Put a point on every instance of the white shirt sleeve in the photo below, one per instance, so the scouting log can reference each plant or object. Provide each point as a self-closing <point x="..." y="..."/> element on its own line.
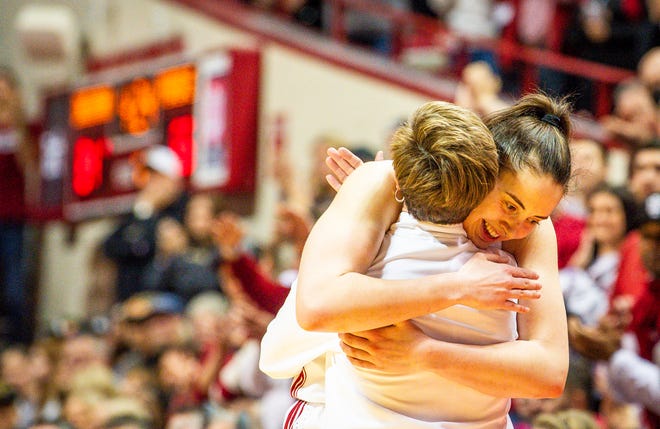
<point x="635" y="379"/>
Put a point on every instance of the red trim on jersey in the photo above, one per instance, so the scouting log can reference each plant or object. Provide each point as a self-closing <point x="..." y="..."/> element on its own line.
<point x="298" y="383"/>
<point x="294" y="412"/>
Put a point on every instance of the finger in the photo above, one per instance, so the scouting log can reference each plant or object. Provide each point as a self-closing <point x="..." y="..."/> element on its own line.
<point x="333" y="182"/>
<point x="343" y="159"/>
<point x="523" y="273"/>
<point x="516" y="307"/>
<point x="355" y="338"/>
<point x="339" y="168"/>
<point x="379" y="156"/>
<point x="354" y="352"/>
<point x="527" y="284"/>
<point x="525" y="294"/>
<point x="349" y="157"/>
<point x="348" y="163"/>
<point x="361" y="363"/>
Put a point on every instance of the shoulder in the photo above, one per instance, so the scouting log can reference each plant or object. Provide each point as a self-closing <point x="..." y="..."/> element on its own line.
<point x="370" y="181"/>
<point x="366" y="198"/>
<point x="374" y="170"/>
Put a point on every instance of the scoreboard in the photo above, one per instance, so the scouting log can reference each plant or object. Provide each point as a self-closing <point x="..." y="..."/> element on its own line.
<point x="205" y="109"/>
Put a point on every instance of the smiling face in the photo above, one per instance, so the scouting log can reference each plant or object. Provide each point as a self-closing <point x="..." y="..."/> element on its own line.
<point x="513" y="208"/>
<point x="607" y="219"/>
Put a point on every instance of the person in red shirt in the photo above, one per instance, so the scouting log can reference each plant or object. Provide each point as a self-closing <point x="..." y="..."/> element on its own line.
<point x="15" y="160"/>
<point x="633" y="372"/>
<point x="644" y="181"/>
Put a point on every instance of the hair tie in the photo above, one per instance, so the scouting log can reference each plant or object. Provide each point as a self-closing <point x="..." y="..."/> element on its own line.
<point x="551" y="119"/>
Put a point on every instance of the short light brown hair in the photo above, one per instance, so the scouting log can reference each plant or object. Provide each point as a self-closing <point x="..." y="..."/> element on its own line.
<point x="445" y="161"/>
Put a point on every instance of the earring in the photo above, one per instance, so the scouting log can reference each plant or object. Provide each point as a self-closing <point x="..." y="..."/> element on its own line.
<point x="398" y="199"/>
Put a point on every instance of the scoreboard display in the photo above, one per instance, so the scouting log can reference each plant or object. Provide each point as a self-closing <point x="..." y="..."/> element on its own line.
<point x="204" y="109"/>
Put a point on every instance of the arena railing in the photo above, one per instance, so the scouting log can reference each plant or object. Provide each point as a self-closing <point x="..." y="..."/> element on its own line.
<point x="406" y="25"/>
<point x="275" y="26"/>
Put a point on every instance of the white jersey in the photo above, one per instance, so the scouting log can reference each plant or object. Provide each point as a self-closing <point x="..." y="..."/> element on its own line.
<point x="360" y="398"/>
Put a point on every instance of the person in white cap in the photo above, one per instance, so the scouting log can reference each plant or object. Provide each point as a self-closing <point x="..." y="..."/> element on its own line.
<point x="161" y="194"/>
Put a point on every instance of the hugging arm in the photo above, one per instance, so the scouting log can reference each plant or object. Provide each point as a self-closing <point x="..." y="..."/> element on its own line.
<point x="535" y="365"/>
<point x="334" y="296"/>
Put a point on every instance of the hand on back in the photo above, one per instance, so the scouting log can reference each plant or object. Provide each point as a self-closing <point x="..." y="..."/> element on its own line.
<point x="489" y="282"/>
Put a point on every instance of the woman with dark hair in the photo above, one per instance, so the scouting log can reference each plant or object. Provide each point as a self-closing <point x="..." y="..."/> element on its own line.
<point x="588" y="278"/>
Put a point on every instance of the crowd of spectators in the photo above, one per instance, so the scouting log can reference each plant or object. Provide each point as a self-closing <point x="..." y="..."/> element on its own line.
<point x="616" y="33"/>
<point x="180" y="301"/>
<point x="181" y="349"/>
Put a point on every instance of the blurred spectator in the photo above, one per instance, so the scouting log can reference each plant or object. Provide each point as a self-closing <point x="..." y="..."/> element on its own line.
<point x="615" y="32"/>
<point x="611" y="32"/>
<point x="249" y="278"/>
<point x="644" y="181"/>
<point x="208" y="315"/>
<point x="632" y="377"/>
<point x="87" y="394"/>
<point x="473" y="20"/>
<point x="15" y="373"/>
<point x="569" y="419"/>
<point x="313" y="195"/>
<point x="17" y="161"/>
<point x="172" y="269"/>
<point x="31" y="374"/>
<point x="479" y="89"/>
<point x="123" y="412"/>
<point x="150" y="322"/>
<point x="188" y="418"/>
<point x="242" y="383"/>
<point x="171" y="240"/>
<point x="140" y="384"/>
<point x="282" y="257"/>
<point x="132" y="245"/>
<point x="198" y="222"/>
<point x="8" y="411"/>
<point x="42" y="360"/>
<point x="305" y="12"/>
<point x="525" y="410"/>
<point x="648" y="72"/>
<point x="101" y="289"/>
<point x="590" y="274"/>
<point x="645" y="170"/>
<point x="366" y="28"/>
<point x="589" y="167"/>
<point x="83" y="366"/>
<point x="178" y="372"/>
<point x="634" y="120"/>
<point x="535" y="23"/>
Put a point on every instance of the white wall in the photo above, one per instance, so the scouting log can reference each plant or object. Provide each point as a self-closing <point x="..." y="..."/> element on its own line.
<point x="315" y="96"/>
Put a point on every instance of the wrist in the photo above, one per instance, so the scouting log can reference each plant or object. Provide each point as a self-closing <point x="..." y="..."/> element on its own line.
<point x="449" y="289"/>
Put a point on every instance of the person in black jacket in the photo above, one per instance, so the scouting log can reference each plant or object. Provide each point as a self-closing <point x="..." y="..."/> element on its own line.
<point x="132" y="245"/>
